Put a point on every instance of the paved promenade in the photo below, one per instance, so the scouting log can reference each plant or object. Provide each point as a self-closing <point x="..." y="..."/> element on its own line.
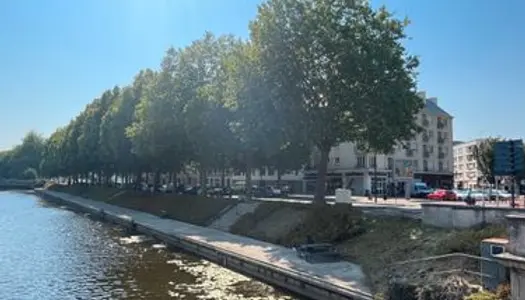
<point x="344" y="275"/>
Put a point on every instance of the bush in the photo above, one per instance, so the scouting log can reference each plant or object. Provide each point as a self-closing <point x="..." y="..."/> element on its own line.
<point x="451" y="288"/>
<point x="468" y="241"/>
<point x="503" y="291"/>
<point x="30" y="174"/>
<point x="483" y="295"/>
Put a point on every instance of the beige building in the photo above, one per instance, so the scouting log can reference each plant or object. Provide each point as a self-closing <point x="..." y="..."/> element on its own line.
<point x="428" y="158"/>
<point x="466" y="171"/>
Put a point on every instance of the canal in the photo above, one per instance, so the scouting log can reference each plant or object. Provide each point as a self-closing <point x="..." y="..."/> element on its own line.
<point x="51" y="253"/>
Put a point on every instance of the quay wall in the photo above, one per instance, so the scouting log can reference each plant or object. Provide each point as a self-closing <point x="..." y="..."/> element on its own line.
<point x="291" y="280"/>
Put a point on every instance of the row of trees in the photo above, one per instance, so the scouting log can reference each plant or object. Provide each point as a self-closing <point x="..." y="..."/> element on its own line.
<point x="313" y="74"/>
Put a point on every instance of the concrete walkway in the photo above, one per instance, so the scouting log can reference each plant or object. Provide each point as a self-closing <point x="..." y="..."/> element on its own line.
<point x="344" y="275"/>
<point x="230" y="217"/>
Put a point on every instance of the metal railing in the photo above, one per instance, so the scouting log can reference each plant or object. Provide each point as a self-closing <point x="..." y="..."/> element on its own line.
<point x="468" y="266"/>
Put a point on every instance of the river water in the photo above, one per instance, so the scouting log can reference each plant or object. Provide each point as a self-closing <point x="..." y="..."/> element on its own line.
<point x="51" y="253"/>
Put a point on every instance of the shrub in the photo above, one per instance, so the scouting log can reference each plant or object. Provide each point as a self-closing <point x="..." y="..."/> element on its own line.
<point x="468" y="241"/>
<point x="483" y="295"/>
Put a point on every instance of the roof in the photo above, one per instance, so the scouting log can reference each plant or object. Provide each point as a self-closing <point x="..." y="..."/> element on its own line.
<point x="435" y="109"/>
<point x="498" y="241"/>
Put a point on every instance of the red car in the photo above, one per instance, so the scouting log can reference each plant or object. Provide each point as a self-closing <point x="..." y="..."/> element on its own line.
<point x="443" y="195"/>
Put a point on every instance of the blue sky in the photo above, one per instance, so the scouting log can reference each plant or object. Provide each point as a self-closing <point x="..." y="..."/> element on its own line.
<point x="57" y="55"/>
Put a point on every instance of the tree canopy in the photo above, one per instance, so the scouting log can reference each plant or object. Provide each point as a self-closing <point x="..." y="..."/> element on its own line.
<point x="313" y="74"/>
<point x="338" y="70"/>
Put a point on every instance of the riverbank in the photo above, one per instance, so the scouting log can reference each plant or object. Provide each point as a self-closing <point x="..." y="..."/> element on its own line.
<point x="271" y="263"/>
<point x="375" y="243"/>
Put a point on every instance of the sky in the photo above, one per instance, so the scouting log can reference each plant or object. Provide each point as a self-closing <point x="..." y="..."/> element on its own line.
<point x="56" y="56"/>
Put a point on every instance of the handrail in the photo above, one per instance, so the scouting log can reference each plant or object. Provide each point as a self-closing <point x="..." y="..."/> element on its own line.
<point x="436" y="257"/>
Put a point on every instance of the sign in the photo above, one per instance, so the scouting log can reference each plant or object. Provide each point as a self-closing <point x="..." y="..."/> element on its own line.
<point x="508" y="158"/>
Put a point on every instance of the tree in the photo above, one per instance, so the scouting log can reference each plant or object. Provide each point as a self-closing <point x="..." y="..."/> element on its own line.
<point x="248" y="99"/>
<point x="338" y="68"/>
<point x="484" y="154"/>
<point x="206" y="119"/>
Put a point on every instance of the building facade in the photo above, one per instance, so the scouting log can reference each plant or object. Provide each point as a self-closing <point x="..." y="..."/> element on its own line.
<point x="428" y="158"/>
<point x="466" y="171"/>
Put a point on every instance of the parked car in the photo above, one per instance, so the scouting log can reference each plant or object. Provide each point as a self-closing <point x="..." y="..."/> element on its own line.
<point x="479" y="195"/>
<point x="267" y="192"/>
<point x="192" y="190"/>
<point x="443" y="195"/>
<point x="461" y="194"/>
<point x="420" y="190"/>
<point x="500" y="194"/>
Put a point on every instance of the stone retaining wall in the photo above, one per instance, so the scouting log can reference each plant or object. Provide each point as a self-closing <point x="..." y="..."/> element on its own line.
<point x="459" y="216"/>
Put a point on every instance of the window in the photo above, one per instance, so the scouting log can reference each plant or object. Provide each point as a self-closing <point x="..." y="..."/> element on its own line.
<point x="336" y="161"/>
<point x="415" y="164"/>
<point x="360" y="161"/>
<point x="271" y="172"/>
<point x="372" y="161"/>
<point x="496" y="249"/>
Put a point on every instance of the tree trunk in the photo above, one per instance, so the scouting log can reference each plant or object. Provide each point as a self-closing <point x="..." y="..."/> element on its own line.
<point x="320" y="187"/>
<point x="156" y="181"/>
<point x="203" y="181"/>
<point x="279" y="174"/>
<point x="248" y="183"/>
<point x="223" y="178"/>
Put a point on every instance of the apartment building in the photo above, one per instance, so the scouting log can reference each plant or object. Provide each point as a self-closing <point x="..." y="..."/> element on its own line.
<point x="428" y="158"/>
<point x="466" y="171"/>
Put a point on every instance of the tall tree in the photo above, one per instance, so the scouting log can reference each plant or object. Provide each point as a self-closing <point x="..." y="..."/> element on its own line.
<point x="484" y="156"/>
<point x="206" y="118"/>
<point x="336" y="63"/>
<point x="248" y="100"/>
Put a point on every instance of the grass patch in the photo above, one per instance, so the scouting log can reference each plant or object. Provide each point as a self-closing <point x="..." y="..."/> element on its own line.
<point x="375" y="243"/>
<point x="196" y="210"/>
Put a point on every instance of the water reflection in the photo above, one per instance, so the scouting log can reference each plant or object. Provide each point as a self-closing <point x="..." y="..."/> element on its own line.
<point x="51" y="253"/>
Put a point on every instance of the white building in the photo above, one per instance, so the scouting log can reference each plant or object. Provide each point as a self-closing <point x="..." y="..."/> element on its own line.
<point x="466" y="171"/>
<point x="427" y="158"/>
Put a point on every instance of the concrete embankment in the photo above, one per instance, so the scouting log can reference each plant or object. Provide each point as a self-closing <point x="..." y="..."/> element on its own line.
<point x="268" y="262"/>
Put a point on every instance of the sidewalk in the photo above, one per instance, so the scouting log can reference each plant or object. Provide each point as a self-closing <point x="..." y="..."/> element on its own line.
<point x="344" y="275"/>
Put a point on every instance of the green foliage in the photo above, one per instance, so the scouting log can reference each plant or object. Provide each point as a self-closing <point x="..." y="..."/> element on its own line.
<point x="27" y="155"/>
<point x="483" y="295"/>
<point x="339" y="72"/>
<point x="468" y="241"/>
<point x="314" y="73"/>
<point x="29" y="173"/>
<point x="484" y="155"/>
